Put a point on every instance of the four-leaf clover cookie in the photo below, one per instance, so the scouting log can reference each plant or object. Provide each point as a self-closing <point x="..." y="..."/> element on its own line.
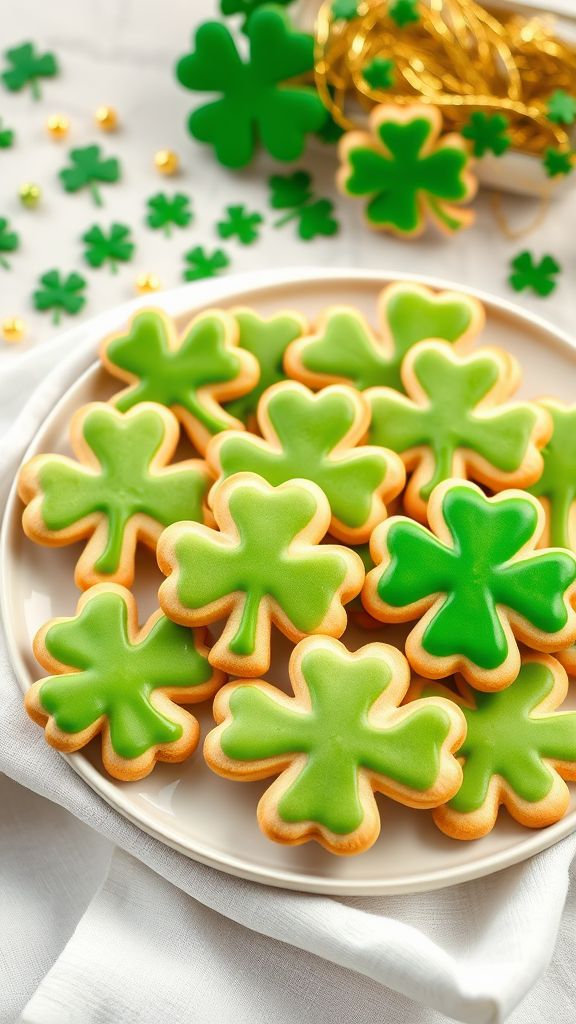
<point x="407" y="172"/>
<point x="517" y="752"/>
<point x="110" y="677"/>
<point x="191" y="374"/>
<point x="317" y="437"/>
<point x="263" y="565"/>
<point x="455" y="422"/>
<point x="475" y="584"/>
<point x="339" y="739"/>
<point x="120" y="491"/>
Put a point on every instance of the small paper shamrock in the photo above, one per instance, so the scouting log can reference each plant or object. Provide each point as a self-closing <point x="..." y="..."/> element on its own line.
<point x="120" y="491"/>
<point x="339" y="739"/>
<point x="406" y="171"/>
<point x="267" y="340"/>
<point x="293" y="192"/>
<point x="488" y="133"/>
<point x="344" y="348"/>
<point x="247" y="7"/>
<point x="558" y="161"/>
<point x="6" y="137"/>
<point x="539" y="277"/>
<point x="256" y="103"/>
<point x="9" y="241"/>
<point x="561" y="107"/>
<point x="556" y="487"/>
<point x="404" y="12"/>
<point x="379" y="73"/>
<point x="89" y="168"/>
<point x="202" y="264"/>
<point x="112" y="678"/>
<point x="61" y="294"/>
<point x="114" y="247"/>
<point x="240" y="224"/>
<point x="264" y="564"/>
<point x="165" y="211"/>
<point x="190" y="375"/>
<point x="474" y="582"/>
<point x="457" y="422"/>
<point x="318" y="438"/>
<point x="517" y="751"/>
<point x="27" y="67"/>
<point x="345" y="10"/>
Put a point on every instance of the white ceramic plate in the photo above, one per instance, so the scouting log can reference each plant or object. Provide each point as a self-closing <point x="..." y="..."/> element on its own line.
<point x="187" y="807"/>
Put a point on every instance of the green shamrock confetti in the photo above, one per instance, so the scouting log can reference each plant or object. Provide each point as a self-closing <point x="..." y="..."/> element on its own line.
<point x="267" y="340"/>
<point x="9" y="242"/>
<point x="112" y="248"/>
<point x="345" y="10"/>
<point x="255" y="102"/>
<point x="558" y="161"/>
<point x="293" y="192"/>
<point x="247" y="7"/>
<point x="404" y="12"/>
<point x="330" y="132"/>
<point x="27" y="67"/>
<point x="202" y="264"/>
<point x="108" y="679"/>
<point x="539" y="277"/>
<point x="379" y="73"/>
<point x="405" y="170"/>
<point x="488" y="133"/>
<point x="6" y="137"/>
<point x="557" y="484"/>
<point x="89" y="168"/>
<point x="265" y="562"/>
<point x="240" y="224"/>
<point x="562" y="107"/>
<point x="60" y="294"/>
<point x="167" y="211"/>
<point x="336" y="741"/>
<point x="469" y="580"/>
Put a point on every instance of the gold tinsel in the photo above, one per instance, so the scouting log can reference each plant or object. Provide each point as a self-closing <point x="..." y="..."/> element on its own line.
<point x="458" y="56"/>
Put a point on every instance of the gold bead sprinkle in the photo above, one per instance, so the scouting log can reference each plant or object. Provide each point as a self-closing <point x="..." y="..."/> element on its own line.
<point x="58" y="126"/>
<point x="30" y="194"/>
<point x="146" y="283"/>
<point x="106" y="118"/>
<point x="166" y="161"/>
<point x="13" y="329"/>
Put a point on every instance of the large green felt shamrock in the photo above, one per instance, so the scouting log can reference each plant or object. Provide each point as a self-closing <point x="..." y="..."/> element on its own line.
<point x="89" y="168"/>
<point x="255" y="102"/>
<point x="9" y="241"/>
<point x="61" y="294"/>
<point x="189" y="375"/>
<point x="340" y="738"/>
<point x="111" y="678"/>
<point x="164" y="211"/>
<point x="344" y="348"/>
<point x="267" y="340"/>
<point x="27" y="67"/>
<point x="407" y="172"/>
<point x="247" y="7"/>
<point x="114" y="247"/>
<point x="456" y="422"/>
<point x="474" y="582"/>
<point x="556" y="487"/>
<point x="266" y="565"/>
<point x="120" y="491"/>
<point x="315" y="437"/>
<point x="517" y="751"/>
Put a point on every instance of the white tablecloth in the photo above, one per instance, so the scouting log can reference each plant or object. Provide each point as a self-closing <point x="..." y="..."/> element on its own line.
<point x="99" y="923"/>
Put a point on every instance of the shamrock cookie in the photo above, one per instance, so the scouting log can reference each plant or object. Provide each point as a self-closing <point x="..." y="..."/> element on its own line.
<point x="344" y="349"/>
<point x="121" y="490"/>
<point x="556" y="487"/>
<point x="455" y="422"/>
<point x="315" y="437"/>
<point x="190" y="375"/>
<point x="339" y="739"/>
<point x="266" y="565"/>
<point x="109" y="677"/>
<point x="517" y="751"/>
<point x="475" y="584"/>
<point x="407" y="172"/>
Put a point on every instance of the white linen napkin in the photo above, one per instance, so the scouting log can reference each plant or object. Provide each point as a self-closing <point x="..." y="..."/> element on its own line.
<point x="168" y="938"/>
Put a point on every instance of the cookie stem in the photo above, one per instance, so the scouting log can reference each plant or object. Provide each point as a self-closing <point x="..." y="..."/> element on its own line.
<point x="244" y="642"/>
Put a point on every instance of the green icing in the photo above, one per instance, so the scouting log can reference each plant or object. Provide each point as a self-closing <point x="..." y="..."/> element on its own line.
<point x="337" y="737"/>
<point x="476" y="574"/>
<point x="308" y="428"/>
<point x="506" y="738"/>
<point x="123" y="485"/>
<point x="558" y="480"/>
<point x="116" y="678"/>
<point x="260" y="563"/>
<point x="267" y="340"/>
<point x="175" y="376"/>
<point x="451" y="416"/>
